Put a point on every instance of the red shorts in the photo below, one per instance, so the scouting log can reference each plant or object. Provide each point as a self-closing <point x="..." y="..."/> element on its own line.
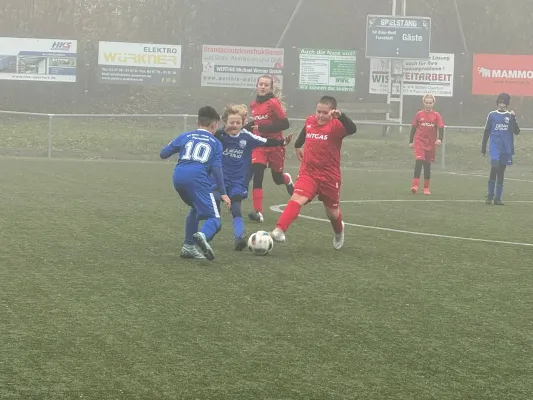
<point x="327" y="190"/>
<point x="272" y="157"/>
<point x="424" y="153"/>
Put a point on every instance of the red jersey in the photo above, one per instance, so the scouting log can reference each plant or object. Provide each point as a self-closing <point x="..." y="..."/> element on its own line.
<point x="322" y="152"/>
<point x="427" y="124"/>
<point x="267" y="112"/>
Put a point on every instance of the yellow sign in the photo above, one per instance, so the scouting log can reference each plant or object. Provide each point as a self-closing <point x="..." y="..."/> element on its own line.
<point x="160" y="60"/>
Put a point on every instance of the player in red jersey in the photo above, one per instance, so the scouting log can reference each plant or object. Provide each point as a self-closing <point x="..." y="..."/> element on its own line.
<point x="269" y="120"/>
<point x="424" y="140"/>
<point x="320" y="170"/>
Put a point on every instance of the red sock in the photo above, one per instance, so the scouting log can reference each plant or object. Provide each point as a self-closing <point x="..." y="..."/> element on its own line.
<point x="286" y="178"/>
<point x="337" y="224"/>
<point x="289" y="215"/>
<point x="426" y="183"/>
<point x="415" y="181"/>
<point x="257" y="200"/>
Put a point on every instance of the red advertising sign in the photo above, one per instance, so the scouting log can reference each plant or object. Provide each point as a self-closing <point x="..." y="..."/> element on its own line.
<point x="497" y="73"/>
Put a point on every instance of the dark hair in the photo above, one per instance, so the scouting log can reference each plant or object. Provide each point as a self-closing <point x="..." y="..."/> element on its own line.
<point x="503" y="98"/>
<point x="207" y="115"/>
<point x="329" y="100"/>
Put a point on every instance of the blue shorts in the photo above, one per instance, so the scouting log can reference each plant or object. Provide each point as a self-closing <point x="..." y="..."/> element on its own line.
<point x="202" y="201"/>
<point x="498" y="158"/>
<point x="234" y="189"/>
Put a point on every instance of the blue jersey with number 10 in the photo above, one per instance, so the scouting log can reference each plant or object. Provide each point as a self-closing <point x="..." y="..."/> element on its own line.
<point x="199" y="153"/>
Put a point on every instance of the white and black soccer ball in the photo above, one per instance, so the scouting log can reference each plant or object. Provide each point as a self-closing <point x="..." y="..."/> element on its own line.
<point x="260" y="243"/>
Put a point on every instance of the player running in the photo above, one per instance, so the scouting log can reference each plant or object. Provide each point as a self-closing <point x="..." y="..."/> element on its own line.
<point x="424" y="141"/>
<point x="200" y="155"/>
<point x="238" y="145"/>
<point x="501" y="127"/>
<point x="320" y="170"/>
<point x="269" y="120"/>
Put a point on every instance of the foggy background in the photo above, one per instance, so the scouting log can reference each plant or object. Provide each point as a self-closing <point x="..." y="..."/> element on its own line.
<point x="489" y="27"/>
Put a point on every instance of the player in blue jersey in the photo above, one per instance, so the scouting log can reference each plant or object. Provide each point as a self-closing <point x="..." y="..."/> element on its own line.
<point x="501" y="127"/>
<point x="200" y="157"/>
<point x="238" y="144"/>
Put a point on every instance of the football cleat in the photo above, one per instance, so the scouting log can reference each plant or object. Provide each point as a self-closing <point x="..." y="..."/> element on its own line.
<point x="240" y="244"/>
<point x="190" y="251"/>
<point x="256" y="216"/>
<point x="338" y="239"/>
<point x="278" y="235"/>
<point x="498" y="202"/>
<point x="426" y="191"/>
<point x="290" y="185"/>
<point x="202" y="243"/>
<point x="414" y="189"/>
<point x="489" y="200"/>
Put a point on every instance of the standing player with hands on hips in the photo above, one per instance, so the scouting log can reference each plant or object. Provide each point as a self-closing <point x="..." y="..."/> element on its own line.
<point x="200" y="156"/>
<point x="501" y="127"/>
<point x="320" y="169"/>
<point x="269" y="120"/>
<point x="424" y="141"/>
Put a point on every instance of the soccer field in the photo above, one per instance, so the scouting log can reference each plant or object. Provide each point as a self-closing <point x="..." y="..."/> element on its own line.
<point x="97" y="304"/>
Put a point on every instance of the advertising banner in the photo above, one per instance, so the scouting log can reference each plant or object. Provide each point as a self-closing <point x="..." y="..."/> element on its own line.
<point x="240" y="67"/>
<point x="420" y="77"/>
<point x="329" y="70"/>
<point x="493" y="74"/>
<point x="50" y="60"/>
<point x="139" y="63"/>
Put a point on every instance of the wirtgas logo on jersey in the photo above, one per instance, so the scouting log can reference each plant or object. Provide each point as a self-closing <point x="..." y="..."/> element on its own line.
<point x="316" y="136"/>
<point x="62" y="46"/>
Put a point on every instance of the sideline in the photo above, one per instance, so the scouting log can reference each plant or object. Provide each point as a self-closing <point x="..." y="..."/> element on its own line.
<point x="278" y="208"/>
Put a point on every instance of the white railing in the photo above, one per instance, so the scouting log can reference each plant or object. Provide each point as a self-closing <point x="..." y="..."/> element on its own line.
<point x="188" y="121"/>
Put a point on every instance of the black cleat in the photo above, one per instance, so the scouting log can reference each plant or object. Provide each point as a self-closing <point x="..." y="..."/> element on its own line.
<point x="240" y="244"/>
<point x="256" y="216"/>
<point x="290" y="185"/>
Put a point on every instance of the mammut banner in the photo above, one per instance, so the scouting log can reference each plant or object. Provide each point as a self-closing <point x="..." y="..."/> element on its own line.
<point x="497" y="73"/>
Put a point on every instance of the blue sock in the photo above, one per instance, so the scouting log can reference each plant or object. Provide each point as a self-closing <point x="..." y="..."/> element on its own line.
<point x="210" y="228"/>
<point x="238" y="222"/>
<point x="238" y="227"/>
<point x="499" y="191"/>
<point x="191" y="226"/>
<point x="492" y="184"/>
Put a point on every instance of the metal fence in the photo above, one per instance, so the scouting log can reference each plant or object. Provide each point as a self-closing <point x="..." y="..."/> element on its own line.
<point x="140" y="137"/>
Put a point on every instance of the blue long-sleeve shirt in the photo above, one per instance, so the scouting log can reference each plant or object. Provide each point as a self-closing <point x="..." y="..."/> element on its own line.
<point x="199" y="158"/>
<point x="501" y="126"/>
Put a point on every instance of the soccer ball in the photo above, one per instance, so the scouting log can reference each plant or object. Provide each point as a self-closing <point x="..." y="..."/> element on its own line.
<point x="260" y="243"/>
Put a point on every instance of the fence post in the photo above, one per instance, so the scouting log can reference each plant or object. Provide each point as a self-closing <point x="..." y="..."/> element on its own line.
<point x="50" y="118"/>
<point x="443" y="151"/>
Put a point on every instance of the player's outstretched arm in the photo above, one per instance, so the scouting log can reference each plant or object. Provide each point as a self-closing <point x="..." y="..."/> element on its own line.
<point x="274" y="127"/>
<point x="170" y="149"/>
<point x="349" y="125"/>
<point x="300" y="140"/>
<point x="216" y="168"/>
